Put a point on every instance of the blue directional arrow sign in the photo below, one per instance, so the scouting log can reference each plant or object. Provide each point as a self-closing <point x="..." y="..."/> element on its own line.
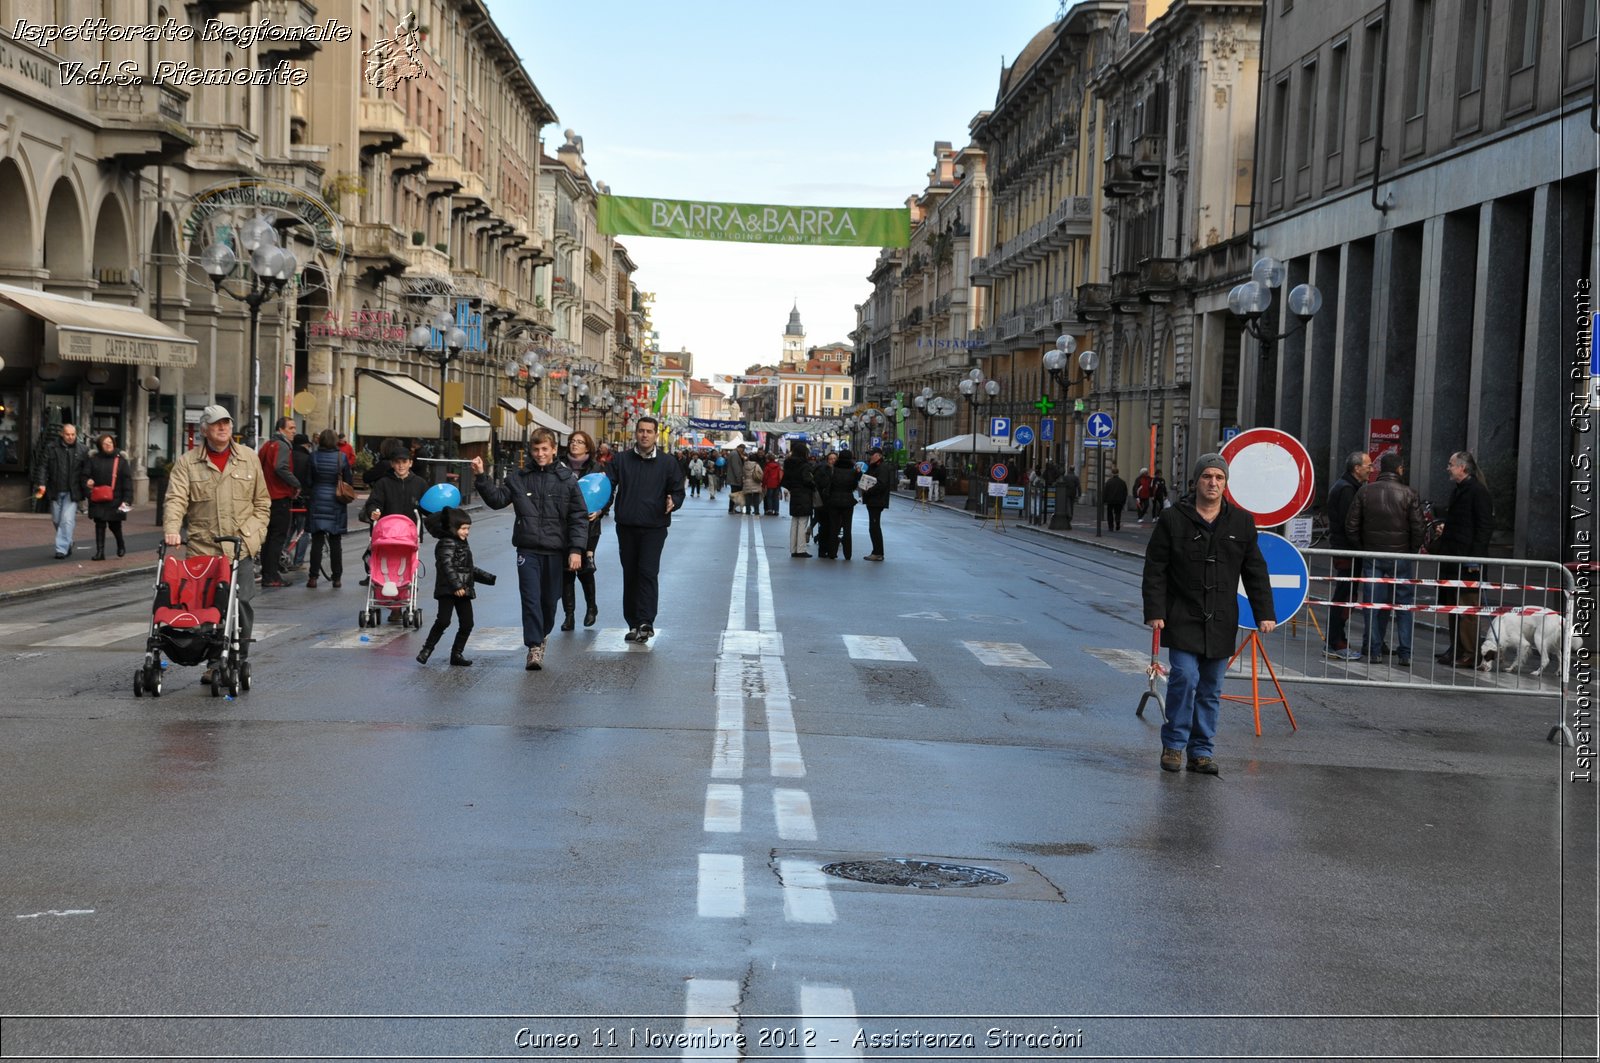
<point x="1100" y="425"/>
<point x="1291" y="580"/>
<point x="1023" y="435"/>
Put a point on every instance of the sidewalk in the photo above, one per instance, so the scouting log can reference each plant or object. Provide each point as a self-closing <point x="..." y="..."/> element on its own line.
<point x="1130" y="541"/>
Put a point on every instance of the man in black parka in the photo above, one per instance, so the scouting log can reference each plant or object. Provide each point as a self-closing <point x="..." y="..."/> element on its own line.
<point x="1197" y="556"/>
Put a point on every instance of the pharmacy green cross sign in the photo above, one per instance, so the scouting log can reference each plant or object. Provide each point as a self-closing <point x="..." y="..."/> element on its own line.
<point x="1044" y="405"/>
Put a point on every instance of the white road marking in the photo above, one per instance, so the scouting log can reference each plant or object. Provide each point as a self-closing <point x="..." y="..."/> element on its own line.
<point x="1004" y="654"/>
<point x="741" y="567"/>
<point x="1130" y="662"/>
<point x="711" y="1011"/>
<point x="263" y="632"/>
<point x="792" y="811"/>
<point x="611" y="640"/>
<point x="727" y="754"/>
<point x="830" y="1011"/>
<point x="783" y="744"/>
<point x="752" y="643"/>
<point x="7" y="630"/>
<point x="766" y="619"/>
<point x="724" y="808"/>
<point x="53" y="911"/>
<point x="100" y="635"/>
<point x="364" y="638"/>
<point x="805" y="893"/>
<point x="721" y="893"/>
<point x="876" y="648"/>
<point x="494" y="639"/>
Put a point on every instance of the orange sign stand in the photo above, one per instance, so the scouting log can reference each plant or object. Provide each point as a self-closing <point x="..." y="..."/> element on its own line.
<point x="1258" y="656"/>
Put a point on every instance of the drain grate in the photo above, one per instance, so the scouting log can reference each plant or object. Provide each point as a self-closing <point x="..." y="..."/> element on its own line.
<point x="914" y="874"/>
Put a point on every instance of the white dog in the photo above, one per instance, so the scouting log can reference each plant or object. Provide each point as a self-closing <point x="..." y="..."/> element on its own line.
<point x="1511" y="637"/>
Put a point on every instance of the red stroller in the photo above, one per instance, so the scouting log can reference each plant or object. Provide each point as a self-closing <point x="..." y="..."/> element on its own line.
<point x="195" y="619"/>
<point x="393" y="571"/>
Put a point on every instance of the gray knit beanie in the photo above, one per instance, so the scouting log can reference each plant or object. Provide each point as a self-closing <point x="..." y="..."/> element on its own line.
<point x="1210" y="461"/>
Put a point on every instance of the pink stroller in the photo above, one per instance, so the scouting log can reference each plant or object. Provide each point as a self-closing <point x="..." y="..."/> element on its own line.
<point x="393" y="571"/>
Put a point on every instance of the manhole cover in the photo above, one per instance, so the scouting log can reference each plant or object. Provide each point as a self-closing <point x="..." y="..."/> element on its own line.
<point x="916" y="874"/>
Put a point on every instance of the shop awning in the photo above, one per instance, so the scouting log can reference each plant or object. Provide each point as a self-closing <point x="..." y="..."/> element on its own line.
<point x="540" y="417"/>
<point x="104" y="332"/>
<point x="969" y="444"/>
<point x="388" y="404"/>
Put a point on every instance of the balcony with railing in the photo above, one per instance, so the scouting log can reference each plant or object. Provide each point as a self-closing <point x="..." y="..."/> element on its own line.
<point x="415" y="155"/>
<point x="978" y="275"/>
<point x="1119" y="177"/>
<point x="1125" y="291"/>
<point x="304" y="169"/>
<point x="563" y="291"/>
<point x="470" y="284"/>
<point x="1158" y="279"/>
<point x="1149" y="155"/>
<point x="1094" y="301"/>
<point x="444" y="174"/>
<point x="295" y="15"/>
<point x="596" y="315"/>
<point x="424" y="261"/>
<point x="223" y="147"/>
<point x="377" y="247"/>
<point x="142" y="124"/>
<point x="382" y="124"/>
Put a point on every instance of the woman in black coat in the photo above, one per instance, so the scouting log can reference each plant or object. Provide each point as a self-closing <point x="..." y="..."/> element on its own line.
<point x="797" y="484"/>
<point x="841" y="500"/>
<point x="328" y="517"/>
<point x="580" y="459"/>
<point x="105" y="467"/>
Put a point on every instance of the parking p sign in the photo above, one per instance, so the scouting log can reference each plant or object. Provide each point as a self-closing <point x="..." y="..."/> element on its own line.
<point x="1000" y="427"/>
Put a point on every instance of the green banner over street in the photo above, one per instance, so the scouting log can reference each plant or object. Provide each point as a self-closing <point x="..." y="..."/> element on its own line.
<point x="755" y="223"/>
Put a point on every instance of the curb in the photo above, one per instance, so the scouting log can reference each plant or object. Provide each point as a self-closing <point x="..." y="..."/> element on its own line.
<point x="73" y="584"/>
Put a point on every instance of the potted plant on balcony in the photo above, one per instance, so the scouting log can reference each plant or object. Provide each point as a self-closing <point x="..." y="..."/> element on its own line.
<point x="418" y="237"/>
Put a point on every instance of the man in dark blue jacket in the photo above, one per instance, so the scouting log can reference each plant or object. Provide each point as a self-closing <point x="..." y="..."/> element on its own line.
<point x="552" y="522"/>
<point x="648" y="487"/>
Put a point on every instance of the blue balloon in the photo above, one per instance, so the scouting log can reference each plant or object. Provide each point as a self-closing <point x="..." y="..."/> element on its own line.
<point x="721" y="461"/>
<point x="440" y="496"/>
<point x="596" y="488"/>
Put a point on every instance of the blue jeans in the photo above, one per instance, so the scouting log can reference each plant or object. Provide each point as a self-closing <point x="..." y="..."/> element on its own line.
<point x="1391" y="594"/>
<point x="1194" y="697"/>
<point x="539" y="580"/>
<point x="64" y="515"/>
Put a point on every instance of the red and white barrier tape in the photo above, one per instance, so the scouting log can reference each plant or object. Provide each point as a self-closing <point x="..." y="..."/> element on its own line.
<point x="1452" y="610"/>
<point x="1464" y="584"/>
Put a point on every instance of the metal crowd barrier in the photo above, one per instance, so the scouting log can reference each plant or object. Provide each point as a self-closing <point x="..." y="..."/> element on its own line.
<point x="1498" y="606"/>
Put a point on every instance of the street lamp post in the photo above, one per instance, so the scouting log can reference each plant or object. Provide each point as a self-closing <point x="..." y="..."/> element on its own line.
<point x="976" y="390"/>
<point x="1056" y="362"/>
<point x="575" y="388"/>
<point x="271" y="266"/>
<point x="1251" y="299"/>
<point x="451" y="340"/>
<point x="528" y="372"/>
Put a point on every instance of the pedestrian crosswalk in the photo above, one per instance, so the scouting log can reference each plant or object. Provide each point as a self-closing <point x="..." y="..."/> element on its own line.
<point x="118" y="635"/>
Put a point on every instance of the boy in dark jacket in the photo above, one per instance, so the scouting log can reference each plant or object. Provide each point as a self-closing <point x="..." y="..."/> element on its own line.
<point x="454" y="576"/>
<point x="552" y="524"/>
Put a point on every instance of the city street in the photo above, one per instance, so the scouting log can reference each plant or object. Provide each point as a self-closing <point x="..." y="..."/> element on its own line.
<point x="631" y="840"/>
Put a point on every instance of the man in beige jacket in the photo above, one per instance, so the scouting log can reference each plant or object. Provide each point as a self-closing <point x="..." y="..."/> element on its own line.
<point x="219" y="489"/>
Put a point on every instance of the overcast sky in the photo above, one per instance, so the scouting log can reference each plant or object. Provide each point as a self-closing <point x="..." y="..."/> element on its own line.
<point x="828" y="103"/>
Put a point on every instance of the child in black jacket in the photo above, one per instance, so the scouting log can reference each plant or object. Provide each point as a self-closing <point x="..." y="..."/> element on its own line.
<point x="454" y="576"/>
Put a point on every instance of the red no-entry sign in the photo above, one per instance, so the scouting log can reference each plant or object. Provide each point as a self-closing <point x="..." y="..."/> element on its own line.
<point x="1269" y="475"/>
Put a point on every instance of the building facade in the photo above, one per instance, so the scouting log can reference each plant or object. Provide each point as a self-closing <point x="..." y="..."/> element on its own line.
<point x="1430" y="167"/>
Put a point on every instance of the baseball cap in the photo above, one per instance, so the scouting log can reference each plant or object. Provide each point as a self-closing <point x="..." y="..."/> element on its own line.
<point x="212" y="414"/>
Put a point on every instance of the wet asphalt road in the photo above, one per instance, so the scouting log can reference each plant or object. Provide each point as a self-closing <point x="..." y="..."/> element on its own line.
<point x="632" y="836"/>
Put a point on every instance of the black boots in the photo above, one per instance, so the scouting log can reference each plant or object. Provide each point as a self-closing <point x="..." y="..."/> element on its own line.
<point x="589" y="615"/>
<point x="567" y="624"/>
<point x="459" y="648"/>
<point x="99" y="544"/>
<point x="460" y="661"/>
<point x="424" y="653"/>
